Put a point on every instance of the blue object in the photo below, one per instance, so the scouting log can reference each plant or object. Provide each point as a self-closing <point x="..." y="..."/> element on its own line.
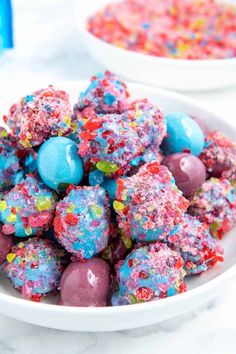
<point x="110" y="185"/>
<point x="59" y="164"/>
<point x="183" y="135"/>
<point x="96" y="177"/>
<point x="6" y="27"/>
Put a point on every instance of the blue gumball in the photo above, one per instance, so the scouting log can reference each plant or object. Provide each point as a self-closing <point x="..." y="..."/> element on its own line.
<point x="59" y="164"/>
<point x="183" y="135"/>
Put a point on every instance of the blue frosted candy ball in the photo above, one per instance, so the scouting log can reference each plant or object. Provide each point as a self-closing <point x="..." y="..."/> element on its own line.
<point x="59" y="164"/>
<point x="183" y="135"/>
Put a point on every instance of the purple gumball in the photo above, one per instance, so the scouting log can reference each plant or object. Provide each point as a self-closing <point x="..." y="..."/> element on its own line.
<point x="86" y="284"/>
<point x="188" y="170"/>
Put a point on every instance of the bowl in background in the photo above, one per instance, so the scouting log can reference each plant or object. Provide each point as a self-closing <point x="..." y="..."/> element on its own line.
<point x="176" y="74"/>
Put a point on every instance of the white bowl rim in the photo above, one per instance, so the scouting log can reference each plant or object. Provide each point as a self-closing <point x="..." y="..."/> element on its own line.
<point x="142" y="307"/>
<point x="81" y="25"/>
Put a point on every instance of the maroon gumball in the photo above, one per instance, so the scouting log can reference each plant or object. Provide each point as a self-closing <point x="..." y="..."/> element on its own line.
<point x="86" y="283"/>
<point x="188" y="170"/>
<point x="6" y="243"/>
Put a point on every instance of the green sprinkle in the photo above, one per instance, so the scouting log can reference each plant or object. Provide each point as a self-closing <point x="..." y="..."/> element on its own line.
<point x="107" y="167"/>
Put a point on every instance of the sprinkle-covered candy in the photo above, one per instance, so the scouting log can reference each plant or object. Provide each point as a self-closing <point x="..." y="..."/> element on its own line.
<point x="35" y="266"/>
<point x="114" y="143"/>
<point x="82" y="221"/>
<point x="148" y="204"/>
<point x="105" y="94"/>
<point x="197" y="247"/>
<point x="38" y="116"/>
<point x="215" y="204"/>
<point x="149" y="273"/>
<point x="27" y="209"/>
<point x="219" y="156"/>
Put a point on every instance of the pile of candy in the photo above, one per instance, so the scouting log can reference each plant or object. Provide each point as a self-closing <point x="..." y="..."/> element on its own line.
<point x="122" y="208"/>
<point x="181" y="29"/>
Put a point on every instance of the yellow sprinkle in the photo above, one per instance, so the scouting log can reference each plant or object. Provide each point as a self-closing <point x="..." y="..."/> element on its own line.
<point x="60" y="132"/>
<point x="118" y="205"/>
<point x="138" y="113"/>
<point x="20" y="245"/>
<point x="127" y="241"/>
<point x="73" y="126"/>
<point x="137" y="217"/>
<point x="3" y="205"/>
<point x="11" y="257"/>
<point x="25" y="143"/>
<point x="4" y="133"/>
<point x="133" y="124"/>
<point x="11" y="217"/>
<point x="28" y="231"/>
<point x="67" y="119"/>
<point x="43" y="203"/>
<point x="70" y="208"/>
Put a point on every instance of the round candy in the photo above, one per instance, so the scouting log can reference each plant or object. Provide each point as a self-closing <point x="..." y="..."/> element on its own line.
<point x="188" y="171"/>
<point x="35" y="266"/>
<point x="27" y="209"/>
<point x="148" y="204"/>
<point x="59" y="164"/>
<point x="6" y="243"/>
<point x="106" y="94"/>
<point x="215" y="204"/>
<point x="38" y="116"/>
<point x="86" y="284"/>
<point x="202" y="125"/>
<point x="10" y="170"/>
<point x="183" y="135"/>
<point x="219" y="156"/>
<point x="82" y="221"/>
<point x="114" y="143"/>
<point x="197" y="247"/>
<point x="150" y="273"/>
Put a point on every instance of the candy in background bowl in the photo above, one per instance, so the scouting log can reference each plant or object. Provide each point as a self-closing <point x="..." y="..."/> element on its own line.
<point x="176" y="74"/>
<point x="200" y="289"/>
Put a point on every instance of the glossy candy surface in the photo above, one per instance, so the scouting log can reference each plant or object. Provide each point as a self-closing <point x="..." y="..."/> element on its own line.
<point x="188" y="171"/>
<point x="86" y="284"/>
<point x="59" y="164"/>
<point x="183" y="135"/>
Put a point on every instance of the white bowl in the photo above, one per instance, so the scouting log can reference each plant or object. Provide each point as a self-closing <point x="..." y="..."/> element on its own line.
<point x="201" y="288"/>
<point x="176" y="74"/>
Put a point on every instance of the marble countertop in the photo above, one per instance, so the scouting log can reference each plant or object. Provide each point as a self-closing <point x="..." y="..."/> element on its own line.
<point x="48" y="49"/>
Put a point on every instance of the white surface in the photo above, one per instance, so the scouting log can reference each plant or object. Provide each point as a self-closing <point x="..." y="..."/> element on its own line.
<point x="163" y="72"/>
<point x="46" y="50"/>
<point x="201" y="288"/>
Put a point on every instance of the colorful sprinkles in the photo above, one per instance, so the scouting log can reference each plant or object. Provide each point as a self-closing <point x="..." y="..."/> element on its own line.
<point x="179" y="29"/>
<point x="35" y="266"/>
